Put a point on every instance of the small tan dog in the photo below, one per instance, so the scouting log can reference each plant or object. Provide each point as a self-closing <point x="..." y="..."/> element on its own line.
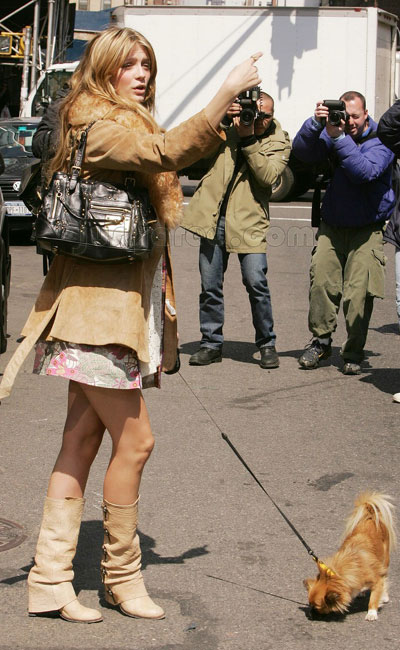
<point x="361" y="562"/>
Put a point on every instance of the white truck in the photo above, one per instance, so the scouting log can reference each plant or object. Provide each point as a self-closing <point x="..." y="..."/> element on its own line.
<point x="309" y="54"/>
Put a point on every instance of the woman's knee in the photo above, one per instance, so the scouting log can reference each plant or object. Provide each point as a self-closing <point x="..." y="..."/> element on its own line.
<point x="143" y="454"/>
<point x="144" y="445"/>
<point x="135" y="449"/>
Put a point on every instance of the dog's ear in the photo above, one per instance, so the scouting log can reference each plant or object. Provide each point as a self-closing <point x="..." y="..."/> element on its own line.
<point x="331" y="598"/>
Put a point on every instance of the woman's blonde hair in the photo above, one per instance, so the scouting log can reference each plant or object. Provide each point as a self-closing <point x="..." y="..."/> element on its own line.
<point x="104" y="55"/>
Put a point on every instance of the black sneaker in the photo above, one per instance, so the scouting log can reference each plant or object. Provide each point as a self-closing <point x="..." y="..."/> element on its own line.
<point x="205" y="356"/>
<point x="269" y="357"/>
<point x="314" y="353"/>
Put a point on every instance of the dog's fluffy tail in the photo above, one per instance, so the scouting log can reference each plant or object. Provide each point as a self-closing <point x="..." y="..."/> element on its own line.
<point x="376" y="505"/>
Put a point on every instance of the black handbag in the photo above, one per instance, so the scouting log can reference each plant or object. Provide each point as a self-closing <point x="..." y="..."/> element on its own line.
<point x="95" y="220"/>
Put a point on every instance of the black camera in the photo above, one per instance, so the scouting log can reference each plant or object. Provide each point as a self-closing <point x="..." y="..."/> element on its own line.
<point x="248" y="102"/>
<point x="337" y="111"/>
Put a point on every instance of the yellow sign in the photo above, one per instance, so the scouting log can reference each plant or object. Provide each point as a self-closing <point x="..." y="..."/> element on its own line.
<point x="12" y="44"/>
<point x="5" y="44"/>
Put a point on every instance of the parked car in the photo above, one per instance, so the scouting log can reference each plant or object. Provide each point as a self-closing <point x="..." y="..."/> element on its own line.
<point x="16" y="135"/>
<point x="5" y="273"/>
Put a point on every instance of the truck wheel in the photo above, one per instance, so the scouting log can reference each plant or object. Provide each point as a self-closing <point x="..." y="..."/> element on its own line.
<point x="283" y="186"/>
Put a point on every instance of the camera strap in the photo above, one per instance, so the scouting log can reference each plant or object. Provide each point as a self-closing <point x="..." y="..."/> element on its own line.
<point x="316" y="202"/>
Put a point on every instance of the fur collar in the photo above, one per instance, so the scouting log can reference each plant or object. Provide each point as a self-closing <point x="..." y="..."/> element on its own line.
<point x="164" y="188"/>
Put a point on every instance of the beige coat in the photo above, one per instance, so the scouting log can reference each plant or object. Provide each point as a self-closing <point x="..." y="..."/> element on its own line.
<point x="247" y="211"/>
<point x="98" y="304"/>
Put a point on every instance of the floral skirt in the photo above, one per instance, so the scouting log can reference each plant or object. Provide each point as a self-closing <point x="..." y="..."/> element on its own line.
<point x="113" y="365"/>
<point x="107" y="366"/>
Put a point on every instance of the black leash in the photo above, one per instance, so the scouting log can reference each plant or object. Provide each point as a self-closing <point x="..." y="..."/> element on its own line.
<point x="296" y="532"/>
<point x="235" y="451"/>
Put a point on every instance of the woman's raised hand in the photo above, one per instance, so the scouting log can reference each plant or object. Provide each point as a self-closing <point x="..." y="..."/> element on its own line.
<point x="243" y="77"/>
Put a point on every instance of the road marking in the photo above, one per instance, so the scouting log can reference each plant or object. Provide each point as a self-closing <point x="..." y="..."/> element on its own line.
<point x="291" y="207"/>
<point x="288" y="207"/>
<point x="273" y="206"/>
<point x="282" y="207"/>
<point x="289" y="219"/>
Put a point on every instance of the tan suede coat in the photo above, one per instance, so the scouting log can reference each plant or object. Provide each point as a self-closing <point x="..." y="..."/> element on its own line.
<point x="98" y="304"/>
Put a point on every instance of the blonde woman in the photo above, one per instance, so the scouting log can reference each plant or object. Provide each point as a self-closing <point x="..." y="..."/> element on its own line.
<point x="111" y="329"/>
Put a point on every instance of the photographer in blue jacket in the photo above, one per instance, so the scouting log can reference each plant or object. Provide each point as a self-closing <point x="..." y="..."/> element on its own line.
<point x="348" y="261"/>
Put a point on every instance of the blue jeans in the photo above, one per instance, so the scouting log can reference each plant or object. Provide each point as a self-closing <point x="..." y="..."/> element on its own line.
<point x="213" y="261"/>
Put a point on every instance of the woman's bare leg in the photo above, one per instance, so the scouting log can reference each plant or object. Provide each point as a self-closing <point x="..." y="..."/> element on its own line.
<point x="124" y="415"/>
<point x="49" y="581"/>
<point x="83" y="433"/>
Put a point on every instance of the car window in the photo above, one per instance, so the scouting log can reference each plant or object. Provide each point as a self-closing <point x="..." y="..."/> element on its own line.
<point x="16" y="139"/>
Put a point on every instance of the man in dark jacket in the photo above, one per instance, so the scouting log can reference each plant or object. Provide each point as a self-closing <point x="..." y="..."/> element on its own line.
<point x="348" y="260"/>
<point x="44" y="146"/>
<point x="45" y="140"/>
<point x="389" y="133"/>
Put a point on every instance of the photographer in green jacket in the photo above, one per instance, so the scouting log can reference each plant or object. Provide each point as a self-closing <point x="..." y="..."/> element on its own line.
<point x="230" y="212"/>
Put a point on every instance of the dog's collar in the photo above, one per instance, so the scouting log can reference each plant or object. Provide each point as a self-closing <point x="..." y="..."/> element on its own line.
<point x="329" y="572"/>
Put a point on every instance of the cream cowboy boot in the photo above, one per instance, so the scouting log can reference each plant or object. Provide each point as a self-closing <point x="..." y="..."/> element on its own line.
<point x="120" y="567"/>
<point x="49" y="580"/>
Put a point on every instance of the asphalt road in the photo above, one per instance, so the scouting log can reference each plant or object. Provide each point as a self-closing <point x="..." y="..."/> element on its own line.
<point x="217" y="555"/>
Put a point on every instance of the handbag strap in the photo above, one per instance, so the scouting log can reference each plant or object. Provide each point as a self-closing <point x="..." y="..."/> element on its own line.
<point x="130" y="180"/>
<point x="80" y="152"/>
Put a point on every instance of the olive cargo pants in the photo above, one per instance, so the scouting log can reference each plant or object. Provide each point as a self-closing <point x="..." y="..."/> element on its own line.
<point x="348" y="263"/>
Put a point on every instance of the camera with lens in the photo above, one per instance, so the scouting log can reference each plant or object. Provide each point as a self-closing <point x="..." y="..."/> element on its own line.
<point x="248" y="102"/>
<point x="337" y="111"/>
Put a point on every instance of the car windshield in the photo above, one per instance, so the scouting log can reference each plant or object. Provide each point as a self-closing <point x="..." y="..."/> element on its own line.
<point x="16" y="139"/>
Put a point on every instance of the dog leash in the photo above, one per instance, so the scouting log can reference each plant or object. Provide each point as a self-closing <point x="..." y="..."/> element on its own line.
<point x="310" y="552"/>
